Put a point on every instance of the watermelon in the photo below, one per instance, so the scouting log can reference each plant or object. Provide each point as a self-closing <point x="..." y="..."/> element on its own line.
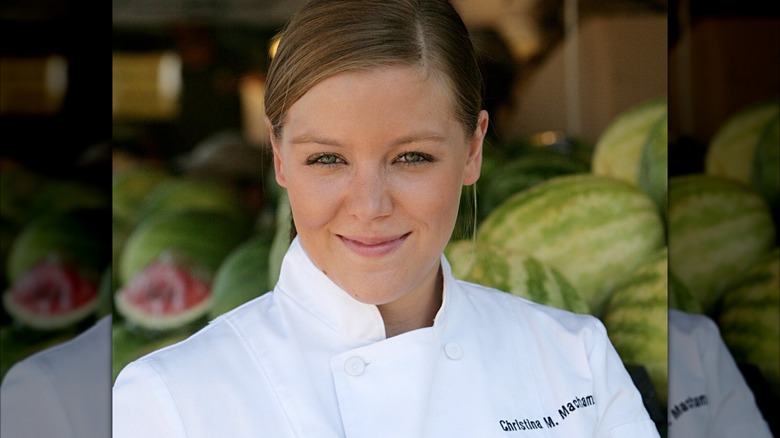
<point x="748" y="317"/>
<point x="520" y="274"/>
<point x="167" y="266"/>
<point x="187" y="193"/>
<point x="717" y="228"/>
<point x="590" y="228"/>
<point x="168" y="293"/>
<point x="633" y="148"/>
<point x="746" y="148"/>
<point x="52" y="294"/>
<point x="242" y="276"/>
<point x="635" y="316"/>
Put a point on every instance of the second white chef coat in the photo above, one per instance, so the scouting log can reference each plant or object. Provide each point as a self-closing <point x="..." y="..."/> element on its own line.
<point x="307" y="360"/>
<point x="708" y="396"/>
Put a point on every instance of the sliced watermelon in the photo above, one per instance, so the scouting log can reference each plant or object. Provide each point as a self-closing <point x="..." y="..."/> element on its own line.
<point x="51" y="295"/>
<point x="168" y="293"/>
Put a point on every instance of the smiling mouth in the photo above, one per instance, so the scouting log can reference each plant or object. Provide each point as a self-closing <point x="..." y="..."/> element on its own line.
<point x="373" y="246"/>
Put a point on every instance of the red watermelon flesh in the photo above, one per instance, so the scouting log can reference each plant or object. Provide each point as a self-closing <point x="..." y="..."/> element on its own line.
<point x="53" y="294"/>
<point x="166" y="294"/>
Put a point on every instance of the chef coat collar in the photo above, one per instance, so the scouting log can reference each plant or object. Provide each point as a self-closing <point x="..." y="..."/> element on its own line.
<point x="310" y="288"/>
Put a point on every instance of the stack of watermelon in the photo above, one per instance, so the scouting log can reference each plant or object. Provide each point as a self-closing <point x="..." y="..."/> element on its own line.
<point x="586" y="238"/>
<point x="731" y="254"/>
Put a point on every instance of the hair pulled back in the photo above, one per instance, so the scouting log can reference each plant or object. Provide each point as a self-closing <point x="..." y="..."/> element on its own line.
<point x="328" y="37"/>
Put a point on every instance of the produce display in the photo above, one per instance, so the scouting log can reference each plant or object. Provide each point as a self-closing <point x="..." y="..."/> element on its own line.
<point x="596" y="229"/>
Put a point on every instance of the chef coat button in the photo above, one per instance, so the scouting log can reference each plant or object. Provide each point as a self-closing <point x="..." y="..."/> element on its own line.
<point x="453" y="350"/>
<point x="354" y="366"/>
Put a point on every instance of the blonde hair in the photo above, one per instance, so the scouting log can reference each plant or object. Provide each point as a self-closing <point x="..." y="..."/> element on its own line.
<point x="328" y="37"/>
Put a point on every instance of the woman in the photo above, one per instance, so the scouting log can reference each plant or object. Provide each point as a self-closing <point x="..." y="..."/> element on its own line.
<point x="376" y="125"/>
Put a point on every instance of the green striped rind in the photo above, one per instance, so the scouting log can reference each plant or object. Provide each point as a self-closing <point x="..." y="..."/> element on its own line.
<point x="184" y="193"/>
<point x="732" y="149"/>
<point x="619" y="150"/>
<point x="522" y="275"/>
<point x="590" y="228"/>
<point x="653" y="168"/>
<point x="635" y="316"/>
<point x="204" y="237"/>
<point x="748" y="318"/>
<point x="242" y="276"/>
<point x="717" y="228"/>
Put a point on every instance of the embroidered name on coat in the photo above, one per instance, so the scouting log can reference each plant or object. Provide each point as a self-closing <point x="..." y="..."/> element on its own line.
<point x="549" y="421"/>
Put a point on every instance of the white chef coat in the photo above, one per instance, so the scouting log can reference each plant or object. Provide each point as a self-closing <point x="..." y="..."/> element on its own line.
<point x="307" y="360"/>
<point x="61" y="392"/>
<point x="708" y="396"/>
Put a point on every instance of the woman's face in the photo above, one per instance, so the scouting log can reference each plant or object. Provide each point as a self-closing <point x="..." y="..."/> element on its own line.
<point x="373" y="162"/>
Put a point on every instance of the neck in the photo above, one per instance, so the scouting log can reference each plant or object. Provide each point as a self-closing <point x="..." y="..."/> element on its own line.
<point x="414" y="310"/>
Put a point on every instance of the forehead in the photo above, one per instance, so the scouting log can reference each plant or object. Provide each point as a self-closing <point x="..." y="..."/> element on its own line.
<point x="382" y="97"/>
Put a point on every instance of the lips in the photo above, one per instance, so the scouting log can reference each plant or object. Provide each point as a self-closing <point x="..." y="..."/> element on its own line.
<point x="374" y="246"/>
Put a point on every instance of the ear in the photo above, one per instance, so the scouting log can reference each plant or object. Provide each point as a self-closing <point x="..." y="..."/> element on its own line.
<point x="474" y="159"/>
<point x="278" y="168"/>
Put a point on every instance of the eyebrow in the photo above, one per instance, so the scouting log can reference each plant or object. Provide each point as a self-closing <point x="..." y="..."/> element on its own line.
<point x="408" y="139"/>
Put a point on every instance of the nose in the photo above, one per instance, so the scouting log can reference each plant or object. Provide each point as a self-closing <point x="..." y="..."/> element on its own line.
<point x="369" y="196"/>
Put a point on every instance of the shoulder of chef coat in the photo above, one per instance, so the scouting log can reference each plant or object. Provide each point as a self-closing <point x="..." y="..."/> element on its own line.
<point x="708" y="395"/>
<point x="557" y="336"/>
<point x="62" y="391"/>
<point x="176" y="390"/>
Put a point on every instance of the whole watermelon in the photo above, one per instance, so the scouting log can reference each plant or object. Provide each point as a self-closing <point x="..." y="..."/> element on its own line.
<point x="633" y="148"/>
<point x="635" y="316"/>
<point x="590" y="228"/>
<point x="717" y="228"/>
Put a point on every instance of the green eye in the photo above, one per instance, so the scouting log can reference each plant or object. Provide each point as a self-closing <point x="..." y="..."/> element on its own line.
<point x="413" y="157"/>
<point x="327" y="159"/>
<point x="324" y="159"/>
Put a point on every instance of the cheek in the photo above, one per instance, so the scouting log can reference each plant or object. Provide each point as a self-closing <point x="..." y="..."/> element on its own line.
<point x="313" y="205"/>
<point x="434" y="200"/>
